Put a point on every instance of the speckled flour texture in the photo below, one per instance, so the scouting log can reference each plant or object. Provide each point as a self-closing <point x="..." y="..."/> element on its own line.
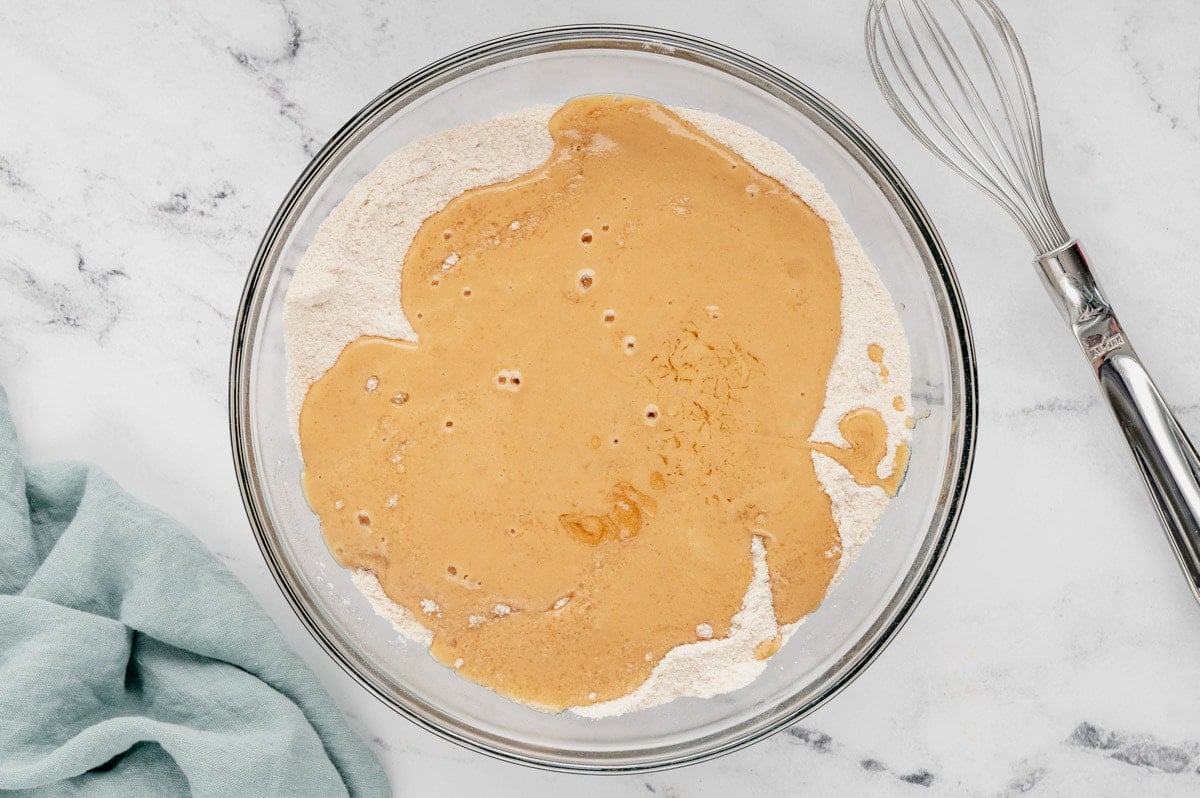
<point x="348" y="284"/>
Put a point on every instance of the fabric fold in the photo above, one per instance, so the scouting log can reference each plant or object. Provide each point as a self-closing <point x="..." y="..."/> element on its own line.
<point x="132" y="662"/>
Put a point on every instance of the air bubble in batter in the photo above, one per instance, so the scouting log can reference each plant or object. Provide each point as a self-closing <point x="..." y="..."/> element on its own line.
<point x="508" y="380"/>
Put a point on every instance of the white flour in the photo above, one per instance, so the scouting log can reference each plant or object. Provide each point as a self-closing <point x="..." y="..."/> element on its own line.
<point x="348" y="284"/>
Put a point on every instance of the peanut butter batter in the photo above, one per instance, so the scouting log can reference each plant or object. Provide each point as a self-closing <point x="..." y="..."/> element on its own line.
<point x="621" y="358"/>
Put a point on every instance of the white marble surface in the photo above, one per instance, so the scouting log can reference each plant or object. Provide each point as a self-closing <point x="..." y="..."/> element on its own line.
<point x="144" y="146"/>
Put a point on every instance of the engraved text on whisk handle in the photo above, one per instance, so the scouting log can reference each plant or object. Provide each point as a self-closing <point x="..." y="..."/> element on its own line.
<point x="1098" y="345"/>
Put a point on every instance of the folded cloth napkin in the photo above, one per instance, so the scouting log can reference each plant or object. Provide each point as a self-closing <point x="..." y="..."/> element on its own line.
<point x="133" y="663"/>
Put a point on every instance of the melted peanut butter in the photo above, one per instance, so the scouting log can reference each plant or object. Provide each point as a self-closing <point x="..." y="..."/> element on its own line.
<point x="865" y="433"/>
<point x="767" y="648"/>
<point x="621" y="358"/>
<point x="875" y="354"/>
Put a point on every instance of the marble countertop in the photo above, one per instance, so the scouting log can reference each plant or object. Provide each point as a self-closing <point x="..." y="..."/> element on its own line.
<point x="144" y="146"/>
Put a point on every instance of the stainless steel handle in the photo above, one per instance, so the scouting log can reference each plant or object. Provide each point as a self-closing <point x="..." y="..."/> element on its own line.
<point x="1164" y="455"/>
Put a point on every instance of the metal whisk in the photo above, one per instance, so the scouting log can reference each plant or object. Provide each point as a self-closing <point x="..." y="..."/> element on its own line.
<point x="955" y="74"/>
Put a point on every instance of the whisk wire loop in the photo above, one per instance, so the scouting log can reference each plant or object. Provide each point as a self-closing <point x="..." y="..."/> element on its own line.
<point x="973" y="107"/>
<point x="908" y="76"/>
<point x="998" y="156"/>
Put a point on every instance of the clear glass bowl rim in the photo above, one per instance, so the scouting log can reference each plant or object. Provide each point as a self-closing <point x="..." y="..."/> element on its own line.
<point x="964" y="386"/>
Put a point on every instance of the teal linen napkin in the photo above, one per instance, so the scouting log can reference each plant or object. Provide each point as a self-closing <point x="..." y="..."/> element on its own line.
<point x="133" y="663"/>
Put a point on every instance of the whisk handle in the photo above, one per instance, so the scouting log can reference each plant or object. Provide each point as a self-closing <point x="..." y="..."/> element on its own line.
<point x="1166" y="458"/>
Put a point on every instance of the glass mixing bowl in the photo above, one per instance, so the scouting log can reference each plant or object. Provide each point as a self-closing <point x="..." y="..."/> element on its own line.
<point x="861" y="613"/>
